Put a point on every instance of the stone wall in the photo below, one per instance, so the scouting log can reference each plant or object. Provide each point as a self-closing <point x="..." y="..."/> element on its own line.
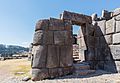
<point x="107" y="40"/>
<point x="52" y="49"/>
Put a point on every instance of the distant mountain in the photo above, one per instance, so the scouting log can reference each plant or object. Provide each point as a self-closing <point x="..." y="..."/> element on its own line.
<point x="9" y="50"/>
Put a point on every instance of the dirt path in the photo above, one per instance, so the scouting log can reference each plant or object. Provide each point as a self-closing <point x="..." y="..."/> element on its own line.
<point x="9" y="67"/>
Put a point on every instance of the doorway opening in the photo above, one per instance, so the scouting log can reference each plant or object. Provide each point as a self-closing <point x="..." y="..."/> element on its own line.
<point x="76" y="29"/>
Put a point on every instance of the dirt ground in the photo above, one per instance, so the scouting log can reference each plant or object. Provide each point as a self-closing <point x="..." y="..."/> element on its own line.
<point x="12" y="71"/>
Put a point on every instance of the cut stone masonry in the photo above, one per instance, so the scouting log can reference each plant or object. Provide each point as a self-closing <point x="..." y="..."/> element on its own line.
<point x="98" y="38"/>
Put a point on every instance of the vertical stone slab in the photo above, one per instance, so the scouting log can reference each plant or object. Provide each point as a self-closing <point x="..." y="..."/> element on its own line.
<point x="52" y="56"/>
<point x="38" y="37"/>
<point x="102" y="26"/>
<point x="110" y="26"/>
<point x="116" y="38"/>
<point x="48" y="38"/>
<point x="117" y="26"/>
<point x="66" y="53"/>
<point x="108" y="39"/>
<point x="39" y="58"/>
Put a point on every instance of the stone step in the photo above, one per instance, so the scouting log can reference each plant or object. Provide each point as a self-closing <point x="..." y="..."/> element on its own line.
<point x="75" y="57"/>
<point x="83" y="72"/>
<point x="79" y="66"/>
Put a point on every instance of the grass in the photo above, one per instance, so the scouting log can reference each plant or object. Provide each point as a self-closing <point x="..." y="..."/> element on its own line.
<point x="14" y="66"/>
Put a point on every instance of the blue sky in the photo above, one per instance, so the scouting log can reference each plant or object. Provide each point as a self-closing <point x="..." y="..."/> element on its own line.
<point x="18" y="17"/>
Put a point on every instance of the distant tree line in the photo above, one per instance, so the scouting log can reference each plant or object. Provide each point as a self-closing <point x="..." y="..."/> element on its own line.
<point x="9" y="50"/>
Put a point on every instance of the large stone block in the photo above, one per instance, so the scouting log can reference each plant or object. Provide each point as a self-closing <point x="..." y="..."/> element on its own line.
<point x="97" y="42"/>
<point x="115" y="51"/>
<point x="98" y="31"/>
<point x="39" y="56"/>
<point x="108" y="39"/>
<point x="53" y="72"/>
<point x="90" y="41"/>
<point x="39" y="74"/>
<point x="110" y="26"/>
<point x="102" y="26"/>
<point x="82" y="55"/>
<point x="68" y="70"/>
<point x="59" y="37"/>
<point x="38" y="37"/>
<point x="117" y="18"/>
<point x="90" y="29"/>
<point x="42" y="25"/>
<point x="116" y="12"/>
<point x="56" y="24"/>
<point x="68" y="25"/>
<point x="103" y="41"/>
<point x="110" y="66"/>
<point x="48" y="37"/>
<point x="106" y="14"/>
<point x="117" y="26"/>
<point x="52" y="56"/>
<point x="66" y="56"/>
<point x="76" y="18"/>
<point x="116" y="38"/>
<point x="99" y="54"/>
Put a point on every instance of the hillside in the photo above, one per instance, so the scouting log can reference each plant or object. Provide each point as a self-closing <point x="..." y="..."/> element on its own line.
<point x="9" y="50"/>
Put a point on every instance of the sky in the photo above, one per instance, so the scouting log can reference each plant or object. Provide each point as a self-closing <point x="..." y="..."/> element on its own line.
<point x="18" y="17"/>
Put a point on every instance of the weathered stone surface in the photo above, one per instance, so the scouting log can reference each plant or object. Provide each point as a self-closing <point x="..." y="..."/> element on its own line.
<point x="76" y="18"/>
<point x="59" y="37"/>
<point x="53" y="72"/>
<point x="103" y="41"/>
<point x="106" y="14"/>
<point x="48" y="37"/>
<point x="89" y="29"/>
<point x="94" y="17"/>
<point x="116" y="38"/>
<point x="38" y="37"/>
<point x="110" y="26"/>
<point x="56" y="24"/>
<point x="117" y="18"/>
<point x="116" y="12"/>
<point x="60" y="72"/>
<point x="97" y="41"/>
<point x="90" y="41"/>
<point x="42" y="25"/>
<point x="52" y="56"/>
<point x="117" y="26"/>
<point x="68" y="38"/>
<point x="102" y="26"/>
<point x="90" y="54"/>
<point x="115" y="51"/>
<point x="39" y="74"/>
<point x="108" y="39"/>
<point x="66" y="58"/>
<point x="110" y="66"/>
<point x="68" y="25"/>
<point x="67" y="70"/>
<point x="39" y="56"/>
<point x="99" y="54"/>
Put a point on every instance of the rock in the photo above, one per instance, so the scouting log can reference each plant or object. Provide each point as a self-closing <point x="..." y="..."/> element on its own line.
<point x="52" y="56"/>
<point x="38" y="37"/>
<point x="26" y="78"/>
<point x="116" y="12"/>
<point x="76" y="18"/>
<point x="56" y="24"/>
<point x="94" y="17"/>
<point x="116" y="38"/>
<point x="39" y="56"/>
<point x="108" y="39"/>
<point x="66" y="53"/>
<point x="106" y="14"/>
<point x="117" y="26"/>
<point x="110" y="26"/>
<point x="39" y="74"/>
<point x="42" y="25"/>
